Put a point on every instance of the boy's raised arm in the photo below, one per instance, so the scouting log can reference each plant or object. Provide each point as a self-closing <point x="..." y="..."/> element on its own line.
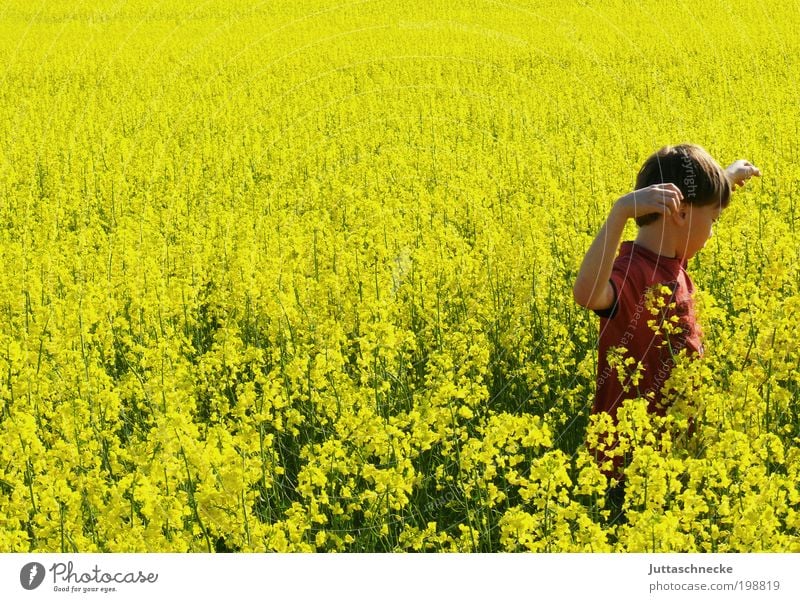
<point x="592" y="287"/>
<point x="740" y="171"/>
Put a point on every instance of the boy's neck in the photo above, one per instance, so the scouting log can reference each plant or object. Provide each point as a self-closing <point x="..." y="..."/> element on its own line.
<point x="654" y="237"/>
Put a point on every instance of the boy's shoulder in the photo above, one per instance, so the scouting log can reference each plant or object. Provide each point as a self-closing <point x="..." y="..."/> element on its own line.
<point x="631" y="267"/>
<point x="635" y="272"/>
<point x="637" y="261"/>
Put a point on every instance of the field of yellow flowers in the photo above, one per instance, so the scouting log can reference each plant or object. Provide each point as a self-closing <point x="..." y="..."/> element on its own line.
<point x="297" y="275"/>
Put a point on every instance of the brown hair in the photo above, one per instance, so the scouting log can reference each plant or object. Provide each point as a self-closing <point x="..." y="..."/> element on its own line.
<point x="699" y="177"/>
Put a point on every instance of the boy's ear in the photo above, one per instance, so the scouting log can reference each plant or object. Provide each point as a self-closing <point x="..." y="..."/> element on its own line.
<point x="680" y="216"/>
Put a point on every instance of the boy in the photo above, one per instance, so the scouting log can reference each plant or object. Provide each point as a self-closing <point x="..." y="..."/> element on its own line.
<point x="680" y="193"/>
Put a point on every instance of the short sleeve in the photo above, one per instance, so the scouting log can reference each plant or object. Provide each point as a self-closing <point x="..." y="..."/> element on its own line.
<point x="627" y="283"/>
<point x="612" y="310"/>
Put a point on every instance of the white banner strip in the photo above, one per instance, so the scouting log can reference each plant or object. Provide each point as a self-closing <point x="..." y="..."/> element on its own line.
<point x="408" y="577"/>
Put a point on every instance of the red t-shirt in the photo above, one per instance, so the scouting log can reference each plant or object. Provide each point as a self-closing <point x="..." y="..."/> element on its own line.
<point x="625" y="324"/>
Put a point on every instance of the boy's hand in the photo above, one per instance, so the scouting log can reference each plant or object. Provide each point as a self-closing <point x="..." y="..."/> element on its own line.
<point x="658" y="198"/>
<point x="740" y="171"/>
<point x="593" y="289"/>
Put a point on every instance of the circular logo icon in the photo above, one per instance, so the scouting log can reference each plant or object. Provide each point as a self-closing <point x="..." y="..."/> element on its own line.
<point x="31" y="575"/>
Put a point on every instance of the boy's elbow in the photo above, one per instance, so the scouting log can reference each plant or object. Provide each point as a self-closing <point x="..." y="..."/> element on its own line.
<point x="592" y="298"/>
<point x="580" y="295"/>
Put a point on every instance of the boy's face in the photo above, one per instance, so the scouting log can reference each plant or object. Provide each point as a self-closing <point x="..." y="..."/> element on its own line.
<point x="698" y="227"/>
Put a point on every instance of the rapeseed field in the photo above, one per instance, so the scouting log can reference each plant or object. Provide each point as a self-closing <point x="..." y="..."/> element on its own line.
<point x="297" y="276"/>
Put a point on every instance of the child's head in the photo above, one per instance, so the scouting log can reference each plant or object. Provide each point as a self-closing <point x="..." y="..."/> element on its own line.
<point x="699" y="177"/>
<point x="705" y="187"/>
